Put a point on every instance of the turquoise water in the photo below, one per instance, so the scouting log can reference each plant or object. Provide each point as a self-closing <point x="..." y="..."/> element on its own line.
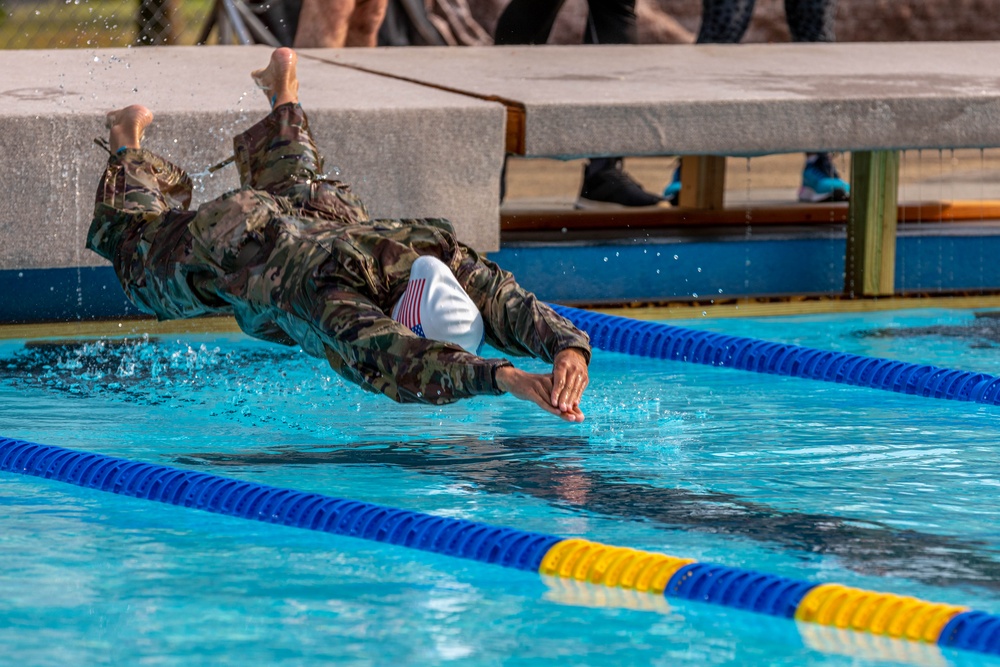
<point x="799" y="478"/>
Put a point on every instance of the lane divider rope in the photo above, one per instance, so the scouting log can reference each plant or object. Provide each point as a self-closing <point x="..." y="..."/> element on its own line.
<point x="582" y="560"/>
<point x="663" y="341"/>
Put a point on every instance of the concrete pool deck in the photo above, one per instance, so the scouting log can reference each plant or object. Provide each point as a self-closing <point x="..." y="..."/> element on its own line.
<point x="374" y="131"/>
<point x="743" y="99"/>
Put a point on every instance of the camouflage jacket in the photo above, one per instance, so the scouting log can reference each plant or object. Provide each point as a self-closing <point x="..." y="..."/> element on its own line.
<point x="314" y="272"/>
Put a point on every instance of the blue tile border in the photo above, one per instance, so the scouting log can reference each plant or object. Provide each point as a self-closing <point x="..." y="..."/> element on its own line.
<point x="598" y="272"/>
<point x="85" y="293"/>
<point x="664" y="270"/>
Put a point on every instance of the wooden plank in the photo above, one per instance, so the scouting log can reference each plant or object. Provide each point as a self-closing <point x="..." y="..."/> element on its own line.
<point x="119" y="327"/>
<point x="703" y="182"/>
<point x="949" y="211"/>
<point x="516" y="126"/>
<point x="514" y="218"/>
<point x="871" y="225"/>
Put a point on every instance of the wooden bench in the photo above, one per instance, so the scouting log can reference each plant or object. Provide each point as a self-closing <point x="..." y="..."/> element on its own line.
<point x="710" y="101"/>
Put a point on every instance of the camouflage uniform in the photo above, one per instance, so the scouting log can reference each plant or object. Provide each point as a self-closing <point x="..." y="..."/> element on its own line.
<point x="295" y="259"/>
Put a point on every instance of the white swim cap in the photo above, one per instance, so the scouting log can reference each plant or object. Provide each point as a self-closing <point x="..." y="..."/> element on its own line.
<point x="435" y="306"/>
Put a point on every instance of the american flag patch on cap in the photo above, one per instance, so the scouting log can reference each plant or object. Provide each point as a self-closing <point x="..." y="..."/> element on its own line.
<point x="408" y="313"/>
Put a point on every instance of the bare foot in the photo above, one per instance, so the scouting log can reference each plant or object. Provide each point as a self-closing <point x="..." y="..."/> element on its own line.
<point x="278" y="79"/>
<point x="127" y="126"/>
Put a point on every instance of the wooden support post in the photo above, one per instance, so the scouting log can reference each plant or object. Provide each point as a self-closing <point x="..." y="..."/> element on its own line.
<point x="871" y="224"/>
<point x="703" y="182"/>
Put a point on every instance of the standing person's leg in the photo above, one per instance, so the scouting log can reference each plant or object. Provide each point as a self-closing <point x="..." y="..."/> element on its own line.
<point x="724" y="21"/>
<point x="604" y="179"/>
<point x="362" y="29"/>
<point x="323" y="23"/>
<point x="611" y="22"/>
<point x="278" y="154"/>
<point x="813" y="21"/>
<point x="527" y="21"/>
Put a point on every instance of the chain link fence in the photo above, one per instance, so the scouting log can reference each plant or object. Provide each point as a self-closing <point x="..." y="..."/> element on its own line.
<point x="57" y="24"/>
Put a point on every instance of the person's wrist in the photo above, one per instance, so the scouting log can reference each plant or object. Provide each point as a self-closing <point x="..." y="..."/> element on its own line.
<point x="503" y="373"/>
<point x="574" y="350"/>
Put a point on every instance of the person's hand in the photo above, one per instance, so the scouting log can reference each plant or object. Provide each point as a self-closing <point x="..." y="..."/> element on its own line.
<point x="569" y="379"/>
<point x="536" y="388"/>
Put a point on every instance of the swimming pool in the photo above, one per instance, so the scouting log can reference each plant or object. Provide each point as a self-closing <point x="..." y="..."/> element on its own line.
<point x="805" y="479"/>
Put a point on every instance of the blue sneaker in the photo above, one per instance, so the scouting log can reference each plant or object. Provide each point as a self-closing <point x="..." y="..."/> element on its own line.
<point x="672" y="192"/>
<point x="821" y="182"/>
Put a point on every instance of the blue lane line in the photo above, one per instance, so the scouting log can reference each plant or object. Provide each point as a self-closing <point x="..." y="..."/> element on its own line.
<point x="663" y="341"/>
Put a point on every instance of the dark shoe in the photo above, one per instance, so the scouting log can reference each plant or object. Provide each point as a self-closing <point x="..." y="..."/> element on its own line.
<point x="614" y="186"/>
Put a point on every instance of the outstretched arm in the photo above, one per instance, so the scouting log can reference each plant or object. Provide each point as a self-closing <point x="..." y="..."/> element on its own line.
<point x="518" y="323"/>
<point x="558" y="392"/>
<point x="368" y="347"/>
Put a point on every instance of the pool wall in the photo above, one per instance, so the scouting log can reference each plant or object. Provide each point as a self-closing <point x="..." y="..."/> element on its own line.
<point x="765" y="261"/>
<point x="657" y="269"/>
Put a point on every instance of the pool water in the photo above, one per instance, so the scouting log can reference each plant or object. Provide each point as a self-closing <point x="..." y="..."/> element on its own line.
<point x="794" y="477"/>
